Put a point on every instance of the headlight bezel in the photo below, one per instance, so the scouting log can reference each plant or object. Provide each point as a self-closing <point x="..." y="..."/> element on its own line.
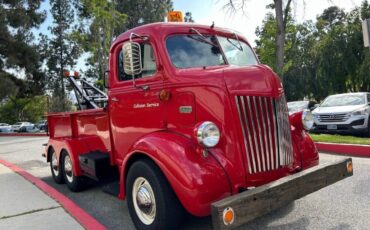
<point x="202" y="134"/>
<point x="307" y="119"/>
<point x="359" y="112"/>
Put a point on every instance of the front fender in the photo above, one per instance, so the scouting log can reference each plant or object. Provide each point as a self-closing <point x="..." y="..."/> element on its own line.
<point x="197" y="181"/>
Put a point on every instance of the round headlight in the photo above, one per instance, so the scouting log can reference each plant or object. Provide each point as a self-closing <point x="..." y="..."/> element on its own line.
<point x="307" y="119"/>
<point x="208" y="134"/>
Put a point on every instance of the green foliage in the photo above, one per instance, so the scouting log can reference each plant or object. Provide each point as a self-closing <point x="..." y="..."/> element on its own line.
<point x="140" y="12"/>
<point x="61" y="50"/>
<point x="321" y="58"/>
<point x="340" y="139"/>
<point x="23" y="109"/>
<point x="97" y="38"/>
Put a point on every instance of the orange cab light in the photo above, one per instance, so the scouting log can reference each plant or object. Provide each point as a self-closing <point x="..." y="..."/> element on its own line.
<point x="164" y="95"/>
<point x="228" y="216"/>
<point x="174" y="16"/>
<point x="349" y="167"/>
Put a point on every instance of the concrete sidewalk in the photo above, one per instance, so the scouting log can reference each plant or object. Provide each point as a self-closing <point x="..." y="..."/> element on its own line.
<point x="24" y="206"/>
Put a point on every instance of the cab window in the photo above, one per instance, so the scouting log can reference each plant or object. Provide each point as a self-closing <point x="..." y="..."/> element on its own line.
<point x="147" y="60"/>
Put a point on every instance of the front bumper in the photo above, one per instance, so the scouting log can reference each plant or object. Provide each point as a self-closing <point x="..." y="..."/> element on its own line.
<point x="353" y="125"/>
<point x="256" y="202"/>
<point x="352" y="128"/>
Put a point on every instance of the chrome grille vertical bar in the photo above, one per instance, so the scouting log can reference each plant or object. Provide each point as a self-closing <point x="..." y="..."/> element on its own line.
<point x="264" y="117"/>
<point x="254" y="135"/>
<point x="244" y="133"/>
<point x="251" y="134"/>
<point x="276" y="134"/>
<point x="259" y="133"/>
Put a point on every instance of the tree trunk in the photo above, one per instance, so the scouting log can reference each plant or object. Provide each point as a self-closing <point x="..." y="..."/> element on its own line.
<point x="280" y="37"/>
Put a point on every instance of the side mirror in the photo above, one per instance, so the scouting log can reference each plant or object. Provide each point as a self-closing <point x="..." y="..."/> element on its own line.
<point x="132" y="58"/>
<point x="106" y="79"/>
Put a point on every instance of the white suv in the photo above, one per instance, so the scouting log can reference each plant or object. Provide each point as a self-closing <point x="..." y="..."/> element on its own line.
<point x="343" y="113"/>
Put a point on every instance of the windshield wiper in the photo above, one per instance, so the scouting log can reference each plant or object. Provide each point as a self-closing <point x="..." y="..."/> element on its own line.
<point x="237" y="38"/>
<point x="202" y="38"/>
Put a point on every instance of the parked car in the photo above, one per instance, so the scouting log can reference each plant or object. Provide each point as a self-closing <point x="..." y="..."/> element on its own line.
<point x="41" y="125"/>
<point x="5" y="128"/>
<point x="343" y="113"/>
<point x="23" y="127"/>
<point x="297" y="106"/>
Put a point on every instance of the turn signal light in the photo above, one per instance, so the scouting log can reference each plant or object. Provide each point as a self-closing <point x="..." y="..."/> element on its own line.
<point x="228" y="216"/>
<point x="349" y="167"/>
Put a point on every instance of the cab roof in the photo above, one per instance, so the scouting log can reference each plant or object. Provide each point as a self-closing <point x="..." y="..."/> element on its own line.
<point x="160" y="29"/>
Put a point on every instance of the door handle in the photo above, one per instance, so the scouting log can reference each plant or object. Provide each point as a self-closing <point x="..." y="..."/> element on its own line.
<point x="114" y="99"/>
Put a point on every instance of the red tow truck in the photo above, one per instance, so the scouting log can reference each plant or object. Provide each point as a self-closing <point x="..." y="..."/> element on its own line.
<point x="194" y="123"/>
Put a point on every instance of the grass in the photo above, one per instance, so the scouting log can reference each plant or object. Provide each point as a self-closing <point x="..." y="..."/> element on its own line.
<point x="340" y="139"/>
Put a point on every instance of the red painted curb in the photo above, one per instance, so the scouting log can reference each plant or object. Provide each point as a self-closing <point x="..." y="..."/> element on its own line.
<point x="348" y="149"/>
<point x="78" y="213"/>
<point x="24" y="134"/>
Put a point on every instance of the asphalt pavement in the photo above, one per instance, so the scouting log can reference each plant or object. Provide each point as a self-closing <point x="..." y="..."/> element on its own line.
<point x="344" y="205"/>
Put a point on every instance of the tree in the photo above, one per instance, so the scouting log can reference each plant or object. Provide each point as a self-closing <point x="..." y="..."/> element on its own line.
<point x="61" y="50"/>
<point x="281" y="15"/>
<point x="141" y="12"/>
<point x="188" y="17"/>
<point x="18" y="53"/>
<point x="96" y="39"/>
<point x="322" y="58"/>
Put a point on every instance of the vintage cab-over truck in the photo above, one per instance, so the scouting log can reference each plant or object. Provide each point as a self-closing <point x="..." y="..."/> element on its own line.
<point x="193" y="123"/>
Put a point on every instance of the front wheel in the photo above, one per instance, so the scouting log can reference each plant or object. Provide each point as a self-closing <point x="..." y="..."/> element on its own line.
<point x="74" y="183"/>
<point x="150" y="199"/>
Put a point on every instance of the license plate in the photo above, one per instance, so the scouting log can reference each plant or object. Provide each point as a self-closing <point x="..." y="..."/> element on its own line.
<point x="332" y="127"/>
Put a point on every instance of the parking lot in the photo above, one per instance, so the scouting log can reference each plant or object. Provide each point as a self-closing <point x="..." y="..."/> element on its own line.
<point x="344" y="205"/>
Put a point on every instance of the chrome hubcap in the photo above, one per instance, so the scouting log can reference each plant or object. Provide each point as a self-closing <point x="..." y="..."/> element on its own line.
<point x="54" y="164"/>
<point x="144" y="200"/>
<point x="68" y="168"/>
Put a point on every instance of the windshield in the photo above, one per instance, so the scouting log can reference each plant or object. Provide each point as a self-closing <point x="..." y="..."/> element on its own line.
<point x="343" y="100"/>
<point x="237" y="53"/>
<point x="18" y="123"/>
<point x="192" y="50"/>
<point x="297" y="106"/>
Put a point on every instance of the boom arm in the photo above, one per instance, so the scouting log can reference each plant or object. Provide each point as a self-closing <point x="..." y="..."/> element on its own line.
<point x="88" y="96"/>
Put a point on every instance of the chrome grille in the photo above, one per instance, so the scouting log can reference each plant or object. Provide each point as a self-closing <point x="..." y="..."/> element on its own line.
<point x="266" y="132"/>
<point x="339" y="117"/>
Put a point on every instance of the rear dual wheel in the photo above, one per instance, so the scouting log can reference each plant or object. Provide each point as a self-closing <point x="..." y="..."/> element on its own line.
<point x="55" y="168"/>
<point x="74" y="183"/>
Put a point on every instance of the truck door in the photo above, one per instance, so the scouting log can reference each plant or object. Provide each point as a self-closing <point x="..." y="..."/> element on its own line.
<point x="134" y="110"/>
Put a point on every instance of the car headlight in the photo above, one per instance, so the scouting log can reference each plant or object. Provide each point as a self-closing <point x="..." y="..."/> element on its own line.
<point x="307" y="119"/>
<point x="359" y="112"/>
<point x="208" y="134"/>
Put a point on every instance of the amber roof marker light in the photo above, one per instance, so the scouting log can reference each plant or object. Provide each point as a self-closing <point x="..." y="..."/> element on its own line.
<point x="175" y="16"/>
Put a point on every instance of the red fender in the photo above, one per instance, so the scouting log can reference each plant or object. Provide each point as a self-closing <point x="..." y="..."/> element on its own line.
<point x="75" y="147"/>
<point x="303" y="143"/>
<point x="197" y="181"/>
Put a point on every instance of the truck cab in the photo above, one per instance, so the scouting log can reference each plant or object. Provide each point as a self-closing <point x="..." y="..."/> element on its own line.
<point x="192" y="118"/>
